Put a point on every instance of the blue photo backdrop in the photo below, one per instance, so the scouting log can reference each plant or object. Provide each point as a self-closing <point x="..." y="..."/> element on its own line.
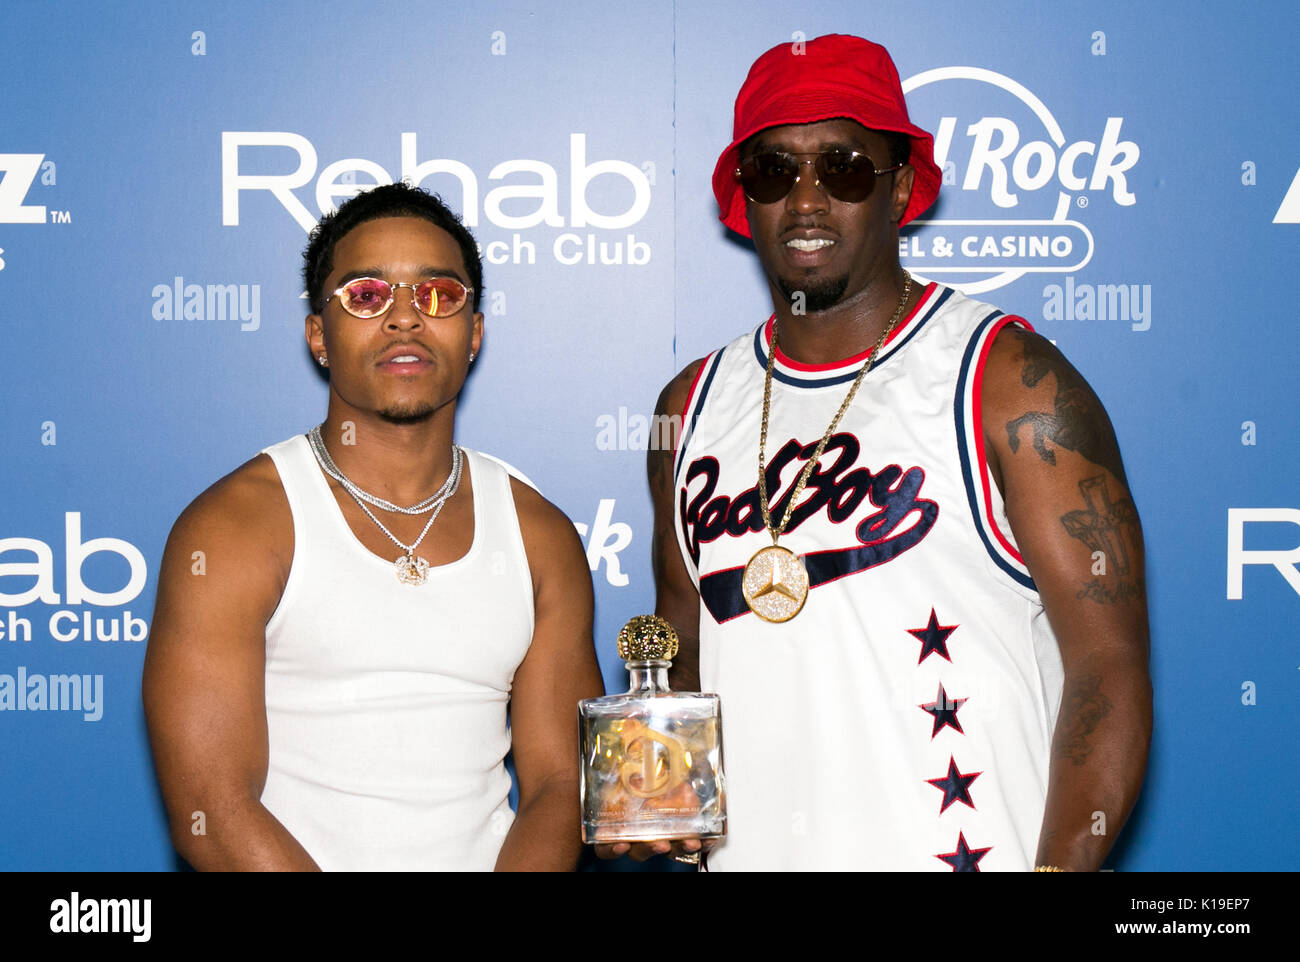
<point x="1126" y="176"/>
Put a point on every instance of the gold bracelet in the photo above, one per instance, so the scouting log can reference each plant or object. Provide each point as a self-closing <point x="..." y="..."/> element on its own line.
<point x="1047" y="868"/>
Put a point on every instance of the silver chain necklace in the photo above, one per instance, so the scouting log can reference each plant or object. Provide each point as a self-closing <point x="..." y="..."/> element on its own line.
<point x="410" y="569"/>
<point x="329" y="467"/>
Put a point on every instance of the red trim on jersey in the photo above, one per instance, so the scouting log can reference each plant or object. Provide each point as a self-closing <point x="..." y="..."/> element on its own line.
<point x="848" y="361"/>
<point x="690" y="396"/>
<point x="977" y="414"/>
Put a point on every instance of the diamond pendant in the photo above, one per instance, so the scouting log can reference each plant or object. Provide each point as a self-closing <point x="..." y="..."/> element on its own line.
<point x="411" y="570"/>
<point x="775" y="584"/>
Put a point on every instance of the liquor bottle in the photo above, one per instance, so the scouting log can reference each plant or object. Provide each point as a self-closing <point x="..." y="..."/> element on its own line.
<point x="652" y="757"/>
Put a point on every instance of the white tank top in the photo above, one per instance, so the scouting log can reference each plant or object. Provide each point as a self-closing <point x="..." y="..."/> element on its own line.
<point x="386" y="703"/>
<point x="922" y="656"/>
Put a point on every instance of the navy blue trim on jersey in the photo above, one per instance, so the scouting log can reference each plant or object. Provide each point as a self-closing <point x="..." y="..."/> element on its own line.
<point x="967" y="469"/>
<point x="851" y="375"/>
<point x="724" y="596"/>
<point x="688" y="430"/>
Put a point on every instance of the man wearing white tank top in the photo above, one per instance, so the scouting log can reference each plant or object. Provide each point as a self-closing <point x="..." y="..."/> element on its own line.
<point x="331" y="692"/>
<point x="896" y="535"/>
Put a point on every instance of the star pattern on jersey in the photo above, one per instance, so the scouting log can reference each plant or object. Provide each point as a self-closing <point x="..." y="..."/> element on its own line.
<point x="944" y="710"/>
<point x="955" y="786"/>
<point x="933" y="638"/>
<point x="965" y="858"/>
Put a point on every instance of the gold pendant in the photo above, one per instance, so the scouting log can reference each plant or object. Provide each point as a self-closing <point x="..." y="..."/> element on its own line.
<point x="775" y="584"/>
<point x="411" y="570"/>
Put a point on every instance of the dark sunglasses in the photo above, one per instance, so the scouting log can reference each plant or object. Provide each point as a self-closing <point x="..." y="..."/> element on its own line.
<point x="846" y="175"/>
<point x="371" y="296"/>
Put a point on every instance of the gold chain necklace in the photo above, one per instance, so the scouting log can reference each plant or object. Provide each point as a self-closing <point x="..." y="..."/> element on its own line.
<point x="775" y="582"/>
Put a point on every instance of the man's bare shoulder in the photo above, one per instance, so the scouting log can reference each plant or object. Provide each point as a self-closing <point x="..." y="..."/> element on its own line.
<point x="222" y="576"/>
<point x="1033" y="394"/>
<point x="671" y="406"/>
<point x="562" y="591"/>
<point x="244" y="516"/>
<point x="673" y="398"/>
<point x="548" y="534"/>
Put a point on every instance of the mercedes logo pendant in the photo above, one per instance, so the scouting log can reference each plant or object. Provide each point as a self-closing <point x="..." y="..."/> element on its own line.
<point x="775" y="584"/>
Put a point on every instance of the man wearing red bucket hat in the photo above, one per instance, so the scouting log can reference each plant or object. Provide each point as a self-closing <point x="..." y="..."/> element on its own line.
<point x="906" y="553"/>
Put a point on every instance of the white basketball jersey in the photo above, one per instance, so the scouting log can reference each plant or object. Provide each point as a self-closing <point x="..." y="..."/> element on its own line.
<point x="903" y="719"/>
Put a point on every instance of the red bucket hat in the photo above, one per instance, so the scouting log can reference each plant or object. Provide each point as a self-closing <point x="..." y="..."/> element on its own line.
<point x="832" y="76"/>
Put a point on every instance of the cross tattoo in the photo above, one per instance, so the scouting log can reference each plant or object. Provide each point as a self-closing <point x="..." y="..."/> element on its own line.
<point x="1104" y="525"/>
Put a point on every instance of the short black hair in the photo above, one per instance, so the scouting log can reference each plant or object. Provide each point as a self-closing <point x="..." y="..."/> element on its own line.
<point x="387" y="200"/>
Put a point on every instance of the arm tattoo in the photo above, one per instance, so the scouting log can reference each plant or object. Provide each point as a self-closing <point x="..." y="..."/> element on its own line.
<point x="1083" y="711"/>
<point x="1077" y="421"/>
<point x="1096" y="590"/>
<point x="1110" y="530"/>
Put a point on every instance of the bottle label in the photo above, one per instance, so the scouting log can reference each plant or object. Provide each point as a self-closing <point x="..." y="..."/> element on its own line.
<point x="653" y="763"/>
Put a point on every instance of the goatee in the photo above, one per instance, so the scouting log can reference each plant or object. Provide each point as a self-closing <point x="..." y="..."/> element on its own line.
<point x="812" y="298"/>
<point x="408" y="414"/>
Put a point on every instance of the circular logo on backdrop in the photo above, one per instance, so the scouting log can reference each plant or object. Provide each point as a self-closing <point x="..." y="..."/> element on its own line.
<point x="1015" y="188"/>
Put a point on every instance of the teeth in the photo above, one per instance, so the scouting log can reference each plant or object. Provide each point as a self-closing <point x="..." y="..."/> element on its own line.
<point x="405" y="359"/>
<point x="809" y="245"/>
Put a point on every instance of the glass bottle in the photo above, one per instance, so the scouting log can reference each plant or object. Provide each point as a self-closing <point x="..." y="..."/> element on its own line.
<point x="652" y="757"/>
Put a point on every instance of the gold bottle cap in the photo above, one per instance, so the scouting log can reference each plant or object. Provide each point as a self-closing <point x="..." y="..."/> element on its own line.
<point x="647" y="638"/>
